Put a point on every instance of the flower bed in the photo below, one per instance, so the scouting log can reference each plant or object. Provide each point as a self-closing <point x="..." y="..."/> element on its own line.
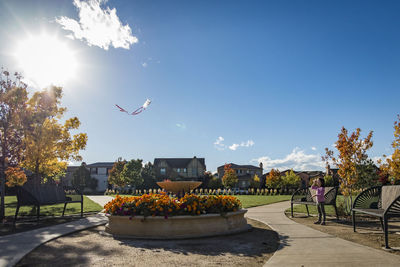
<point x="164" y="205"/>
<point x="159" y="216"/>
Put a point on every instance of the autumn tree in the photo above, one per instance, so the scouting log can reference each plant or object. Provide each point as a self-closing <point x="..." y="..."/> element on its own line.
<point x="290" y="179"/>
<point x="206" y="179"/>
<point x="255" y="182"/>
<point x="15" y="176"/>
<point x="49" y="144"/>
<point x="273" y="179"/>
<point x="215" y="183"/>
<point x="149" y="176"/>
<point x="230" y="178"/>
<point x="391" y="166"/>
<point x="352" y="152"/>
<point x="82" y="179"/>
<point x="132" y="173"/>
<point x="368" y="174"/>
<point x="114" y="176"/>
<point x="13" y="97"/>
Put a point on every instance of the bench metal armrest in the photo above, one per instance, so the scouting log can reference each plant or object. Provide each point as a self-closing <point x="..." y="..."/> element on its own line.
<point x="299" y="194"/>
<point x="78" y="196"/>
<point x="330" y="196"/>
<point x="394" y="209"/>
<point x="369" y="198"/>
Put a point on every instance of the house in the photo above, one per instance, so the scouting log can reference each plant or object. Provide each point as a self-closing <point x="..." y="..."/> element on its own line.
<point x="98" y="170"/>
<point x="245" y="173"/>
<point x="180" y="168"/>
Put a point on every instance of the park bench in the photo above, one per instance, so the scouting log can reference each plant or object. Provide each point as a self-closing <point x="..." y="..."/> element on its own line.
<point x="378" y="201"/>
<point x="304" y="197"/>
<point x="31" y="194"/>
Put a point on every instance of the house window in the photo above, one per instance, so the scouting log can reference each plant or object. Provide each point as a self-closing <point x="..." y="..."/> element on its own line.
<point x="163" y="171"/>
<point x="93" y="170"/>
<point x="247" y="171"/>
<point x="184" y="170"/>
<point x="178" y="170"/>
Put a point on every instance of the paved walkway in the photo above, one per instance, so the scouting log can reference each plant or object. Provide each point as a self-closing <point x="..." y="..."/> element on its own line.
<point x="303" y="246"/>
<point x="14" y="247"/>
<point x="101" y="200"/>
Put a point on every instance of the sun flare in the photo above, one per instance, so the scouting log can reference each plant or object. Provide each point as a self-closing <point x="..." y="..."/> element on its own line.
<point x="45" y="60"/>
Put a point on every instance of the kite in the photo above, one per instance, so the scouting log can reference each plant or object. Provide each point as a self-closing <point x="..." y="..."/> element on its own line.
<point x="139" y="110"/>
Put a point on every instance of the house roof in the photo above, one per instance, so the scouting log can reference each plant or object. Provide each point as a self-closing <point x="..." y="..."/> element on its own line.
<point x="236" y="166"/>
<point x="101" y="165"/>
<point x="178" y="162"/>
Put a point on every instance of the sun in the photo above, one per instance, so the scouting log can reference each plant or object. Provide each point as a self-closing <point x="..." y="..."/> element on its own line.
<point x="44" y="60"/>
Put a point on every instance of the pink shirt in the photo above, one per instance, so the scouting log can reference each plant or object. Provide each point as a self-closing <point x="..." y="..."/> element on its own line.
<point x="320" y="194"/>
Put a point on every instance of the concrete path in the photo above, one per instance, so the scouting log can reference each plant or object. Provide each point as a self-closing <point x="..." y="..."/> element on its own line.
<point x="14" y="247"/>
<point x="101" y="200"/>
<point x="304" y="246"/>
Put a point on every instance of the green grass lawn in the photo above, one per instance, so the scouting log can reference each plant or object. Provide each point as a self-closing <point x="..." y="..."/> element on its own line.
<point x="249" y="201"/>
<point x="51" y="210"/>
<point x="330" y="211"/>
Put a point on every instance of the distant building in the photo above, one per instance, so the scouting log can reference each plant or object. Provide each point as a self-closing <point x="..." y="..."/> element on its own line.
<point x="245" y="173"/>
<point x="98" y="170"/>
<point x="180" y="168"/>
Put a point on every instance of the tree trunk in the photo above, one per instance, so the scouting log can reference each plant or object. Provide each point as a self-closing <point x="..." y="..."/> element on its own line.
<point x="2" y="189"/>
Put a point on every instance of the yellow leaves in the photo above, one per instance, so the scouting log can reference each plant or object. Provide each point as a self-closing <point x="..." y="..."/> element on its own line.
<point x="274" y="178"/>
<point x="392" y="165"/>
<point x="48" y="142"/>
<point x="72" y="123"/>
<point x="229" y="179"/>
<point x="15" y="176"/>
<point x="352" y="151"/>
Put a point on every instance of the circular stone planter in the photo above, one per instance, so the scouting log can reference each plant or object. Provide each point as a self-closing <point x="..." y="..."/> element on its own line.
<point x="177" y="227"/>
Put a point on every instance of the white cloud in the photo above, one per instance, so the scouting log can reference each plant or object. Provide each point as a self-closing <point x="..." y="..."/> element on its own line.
<point x="248" y="143"/>
<point x="313" y="148"/>
<point x="218" y="143"/>
<point x="181" y="126"/>
<point x="144" y="64"/>
<point x="297" y="160"/>
<point x="98" y="26"/>
<point x="234" y="146"/>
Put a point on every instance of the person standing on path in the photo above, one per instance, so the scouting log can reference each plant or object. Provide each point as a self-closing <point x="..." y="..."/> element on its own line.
<point x="319" y="186"/>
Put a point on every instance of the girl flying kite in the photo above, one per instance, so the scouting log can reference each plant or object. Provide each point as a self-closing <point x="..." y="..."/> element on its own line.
<point x="139" y="110"/>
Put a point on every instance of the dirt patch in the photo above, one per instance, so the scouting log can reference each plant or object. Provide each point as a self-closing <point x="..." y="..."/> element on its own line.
<point x="91" y="247"/>
<point x="369" y="232"/>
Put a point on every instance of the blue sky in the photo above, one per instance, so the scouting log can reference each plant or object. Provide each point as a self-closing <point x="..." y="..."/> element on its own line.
<point x="277" y="78"/>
